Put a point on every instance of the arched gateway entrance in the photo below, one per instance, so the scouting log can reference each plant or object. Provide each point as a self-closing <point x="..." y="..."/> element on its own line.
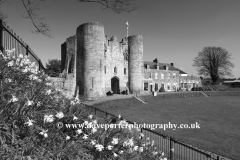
<point x="115" y="85"/>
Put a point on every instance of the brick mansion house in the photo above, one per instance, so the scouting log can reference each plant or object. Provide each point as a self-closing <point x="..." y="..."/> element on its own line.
<point x="94" y="64"/>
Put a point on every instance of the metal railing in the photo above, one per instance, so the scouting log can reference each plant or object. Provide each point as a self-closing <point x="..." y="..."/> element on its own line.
<point x="173" y="148"/>
<point x="9" y="40"/>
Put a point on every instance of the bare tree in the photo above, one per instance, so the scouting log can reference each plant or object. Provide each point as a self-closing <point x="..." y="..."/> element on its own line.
<point x="32" y="6"/>
<point x="214" y="62"/>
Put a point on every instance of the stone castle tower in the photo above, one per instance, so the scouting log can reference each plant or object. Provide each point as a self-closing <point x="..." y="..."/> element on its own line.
<point x="95" y="64"/>
<point x="135" y="63"/>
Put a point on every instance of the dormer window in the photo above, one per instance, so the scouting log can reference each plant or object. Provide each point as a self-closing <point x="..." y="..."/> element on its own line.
<point x="148" y="66"/>
<point x="167" y="68"/>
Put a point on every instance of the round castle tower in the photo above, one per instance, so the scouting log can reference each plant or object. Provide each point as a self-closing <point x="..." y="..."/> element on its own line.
<point x="90" y="59"/>
<point x="135" y="63"/>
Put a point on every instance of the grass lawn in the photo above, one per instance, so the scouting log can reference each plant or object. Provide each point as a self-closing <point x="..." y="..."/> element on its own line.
<point x="219" y="119"/>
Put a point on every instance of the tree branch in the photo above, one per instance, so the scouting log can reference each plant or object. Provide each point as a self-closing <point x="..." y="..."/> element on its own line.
<point x="40" y="26"/>
<point x="117" y="6"/>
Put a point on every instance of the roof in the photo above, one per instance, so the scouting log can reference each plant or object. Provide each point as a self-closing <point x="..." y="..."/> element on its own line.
<point x="235" y="81"/>
<point x="162" y="66"/>
<point x="227" y="79"/>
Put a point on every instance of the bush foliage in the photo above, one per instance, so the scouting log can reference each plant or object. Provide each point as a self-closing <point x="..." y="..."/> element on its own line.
<point x="33" y="118"/>
<point x="161" y="89"/>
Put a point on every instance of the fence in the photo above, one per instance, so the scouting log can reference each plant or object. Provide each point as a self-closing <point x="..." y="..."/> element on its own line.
<point x="9" y="40"/>
<point x="174" y="149"/>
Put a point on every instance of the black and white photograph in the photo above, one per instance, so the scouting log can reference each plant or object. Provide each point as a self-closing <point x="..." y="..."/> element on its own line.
<point x="119" y="79"/>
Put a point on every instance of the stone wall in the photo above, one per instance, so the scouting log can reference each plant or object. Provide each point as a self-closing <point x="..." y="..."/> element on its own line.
<point x="66" y="84"/>
<point x="113" y="58"/>
<point x="57" y="82"/>
<point x="70" y="86"/>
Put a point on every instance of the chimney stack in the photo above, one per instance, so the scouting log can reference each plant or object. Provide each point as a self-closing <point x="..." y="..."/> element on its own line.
<point x="155" y="60"/>
<point x="172" y="64"/>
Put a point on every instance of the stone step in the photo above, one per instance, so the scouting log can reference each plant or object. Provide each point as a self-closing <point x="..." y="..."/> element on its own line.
<point x="139" y="99"/>
<point x="203" y="93"/>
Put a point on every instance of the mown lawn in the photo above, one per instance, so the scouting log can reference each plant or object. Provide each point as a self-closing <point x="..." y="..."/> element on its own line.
<point x="219" y="119"/>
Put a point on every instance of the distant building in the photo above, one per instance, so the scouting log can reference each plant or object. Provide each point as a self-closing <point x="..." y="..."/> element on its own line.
<point x="163" y="75"/>
<point x="232" y="83"/>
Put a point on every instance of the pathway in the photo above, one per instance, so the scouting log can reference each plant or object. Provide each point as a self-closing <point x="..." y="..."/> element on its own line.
<point x="121" y="96"/>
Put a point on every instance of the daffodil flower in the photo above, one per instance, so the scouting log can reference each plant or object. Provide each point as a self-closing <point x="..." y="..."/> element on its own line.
<point x="94" y="130"/>
<point x="109" y="147"/>
<point x="114" y="154"/>
<point x="48" y="118"/>
<point x="29" y="103"/>
<point x="115" y="141"/>
<point x="10" y="64"/>
<point x="90" y="116"/>
<point x="94" y="121"/>
<point x="86" y="122"/>
<point x="72" y="103"/>
<point x="68" y="137"/>
<point x="74" y="117"/>
<point x="14" y="99"/>
<point x="99" y="147"/>
<point x="135" y="148"/>
<point x="154" y="152"/>
<point x="29" y="122"/>
<point x="79" y="131"/>
<point x="59" y="115"/>
<point x="85" y="136"/>
<point x="39" y="103"/>
<point x="93" y="142"/>
<point x="44" y="133"/>
<point x="48" y="92"/>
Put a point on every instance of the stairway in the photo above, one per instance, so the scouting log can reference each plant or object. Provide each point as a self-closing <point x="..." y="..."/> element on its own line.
<point x="214" y="88"/>
<point x="204" y="93"/>
<point x="140" y="99"/>
<point x="209" y="88"/>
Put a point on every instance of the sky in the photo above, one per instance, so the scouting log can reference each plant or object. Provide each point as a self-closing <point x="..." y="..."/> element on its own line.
<point x="174" y="31"/>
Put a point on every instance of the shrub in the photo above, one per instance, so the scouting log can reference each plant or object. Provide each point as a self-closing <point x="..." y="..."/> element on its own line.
<point x="161" y="89"/>
<point x="33" y="115"/>
<point x="180" y="89"/>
